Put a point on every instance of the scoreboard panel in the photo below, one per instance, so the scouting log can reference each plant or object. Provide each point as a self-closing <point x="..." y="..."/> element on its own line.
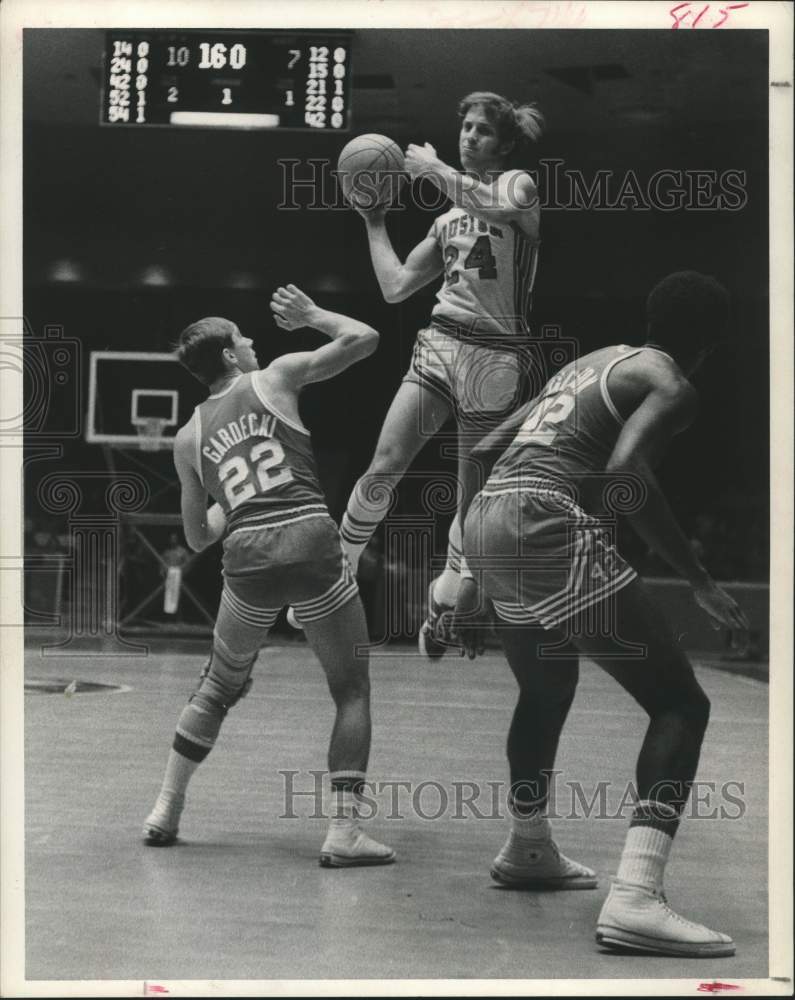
<point x="227" y="79"/>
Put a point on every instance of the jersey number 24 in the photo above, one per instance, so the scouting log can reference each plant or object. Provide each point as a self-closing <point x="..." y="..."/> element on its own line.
<point x="244" y="478"/>
<point x="480" y="256"/>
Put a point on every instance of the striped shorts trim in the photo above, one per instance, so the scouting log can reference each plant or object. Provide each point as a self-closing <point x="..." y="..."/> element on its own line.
<point x="248" y="614"/>
<point x="344" y="590"/>
<point x="278" y="519"/>
<point x="567" y="607"/>
<point x="541" y="488"/>
<point x="583" y="588"/>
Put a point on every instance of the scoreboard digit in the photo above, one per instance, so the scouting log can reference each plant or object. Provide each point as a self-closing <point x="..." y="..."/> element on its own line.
<point x="227" y="79"/>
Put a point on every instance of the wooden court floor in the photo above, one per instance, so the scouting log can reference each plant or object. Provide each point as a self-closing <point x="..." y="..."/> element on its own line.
<point x="244" y="897"/>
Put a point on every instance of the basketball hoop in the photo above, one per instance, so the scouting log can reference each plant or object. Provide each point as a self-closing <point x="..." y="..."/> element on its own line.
<point x="150" y="433"/>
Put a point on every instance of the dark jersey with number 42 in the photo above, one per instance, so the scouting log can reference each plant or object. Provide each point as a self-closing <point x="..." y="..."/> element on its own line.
<point x="255" y="462"/>
<point x="571" y="427"/>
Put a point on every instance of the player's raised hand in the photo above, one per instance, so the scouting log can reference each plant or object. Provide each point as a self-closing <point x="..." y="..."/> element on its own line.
<point x="420" y="160"/>
<point x="722" y="609"/>
<point x="292" y="308"/>
<point x="470" y="619"/>
<point x="369" y="212"/>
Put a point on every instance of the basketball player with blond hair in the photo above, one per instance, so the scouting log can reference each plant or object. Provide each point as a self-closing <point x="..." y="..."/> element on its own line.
<point x="468" y="361"/>
<point x="246" y="448"/>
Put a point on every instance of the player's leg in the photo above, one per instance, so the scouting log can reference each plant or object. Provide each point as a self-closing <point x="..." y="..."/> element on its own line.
<point x="662" y="681"/>
<point x="487" y="386"/>
<point x="340" y="642"/>
<point x="225" y="679"/>
<point x="434" y="637"/>
<point x="416" y="414"/>
<point x="530" y="858"/>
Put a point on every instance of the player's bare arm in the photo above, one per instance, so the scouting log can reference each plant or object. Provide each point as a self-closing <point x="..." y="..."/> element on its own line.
<point x="667" y="407"/>
<point x="399" y="280"/>
<point x="203" y="526"/>
<point x="351" y="340"/>
<point x="511" y="197"/>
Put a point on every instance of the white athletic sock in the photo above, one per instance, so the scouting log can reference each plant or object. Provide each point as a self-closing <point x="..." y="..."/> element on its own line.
<point x="529" y="819"/>
<point x="171" y="799"/>
<point x="534" y="827"/>
<point x="353" y="552"/>
<point x="344" y="818"/>
<point x="367" y="507"/>
<point x="344" y="787"/>
<point x="645" y="856"/>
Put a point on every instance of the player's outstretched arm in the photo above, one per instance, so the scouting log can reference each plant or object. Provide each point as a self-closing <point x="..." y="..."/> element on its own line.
<point x="202" y="526"/>
<point x="667" y="409"/>
<point x="397" y="280"/>
<point x="352" y="340"/>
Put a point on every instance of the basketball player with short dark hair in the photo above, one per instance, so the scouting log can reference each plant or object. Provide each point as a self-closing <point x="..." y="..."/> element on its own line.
<point x="535" y="538"/>
<point x="468" y="361"/>
<point x="246" y="447"/>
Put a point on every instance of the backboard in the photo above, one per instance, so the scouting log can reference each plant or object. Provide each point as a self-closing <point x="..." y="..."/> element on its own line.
<point x="138" y="399"/>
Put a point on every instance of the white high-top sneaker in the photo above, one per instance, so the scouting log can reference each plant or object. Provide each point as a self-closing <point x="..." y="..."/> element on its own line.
<point x="162" y="823"/>
<point x="639" y="917"/>
<point x="347" y="846"/>
<point x="525" y="863"/>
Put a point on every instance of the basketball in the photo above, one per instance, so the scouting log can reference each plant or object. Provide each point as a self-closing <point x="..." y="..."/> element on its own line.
<point x="369" y="169"/>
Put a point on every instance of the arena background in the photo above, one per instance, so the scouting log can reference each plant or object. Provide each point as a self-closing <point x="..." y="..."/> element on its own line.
<point x="131" y="234"/>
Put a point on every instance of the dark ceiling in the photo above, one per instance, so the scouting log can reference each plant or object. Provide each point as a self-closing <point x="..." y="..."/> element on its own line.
<point x="203" y="204"/>
<point x="408" y="80"/>
<point x="131" y="233"/>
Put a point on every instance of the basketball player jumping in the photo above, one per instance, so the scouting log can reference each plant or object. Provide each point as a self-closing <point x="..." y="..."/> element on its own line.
<point x="559" y="587"/>
<point x="468" y="361"/>
<point x="245" y="446"/>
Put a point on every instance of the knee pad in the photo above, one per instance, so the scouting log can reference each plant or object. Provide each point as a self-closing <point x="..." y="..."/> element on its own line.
<point x="198" y="726"/>
<point x="227" y="676"/>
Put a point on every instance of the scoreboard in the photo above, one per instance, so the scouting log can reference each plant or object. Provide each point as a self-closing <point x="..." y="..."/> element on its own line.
<point x="227" y="79"/>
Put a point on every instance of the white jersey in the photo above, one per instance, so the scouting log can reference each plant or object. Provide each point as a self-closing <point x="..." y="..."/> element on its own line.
<point x="489" y="272"/>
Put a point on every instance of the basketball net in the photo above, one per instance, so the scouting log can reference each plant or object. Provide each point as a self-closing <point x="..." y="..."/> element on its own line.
<point x="150" y="433"/>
